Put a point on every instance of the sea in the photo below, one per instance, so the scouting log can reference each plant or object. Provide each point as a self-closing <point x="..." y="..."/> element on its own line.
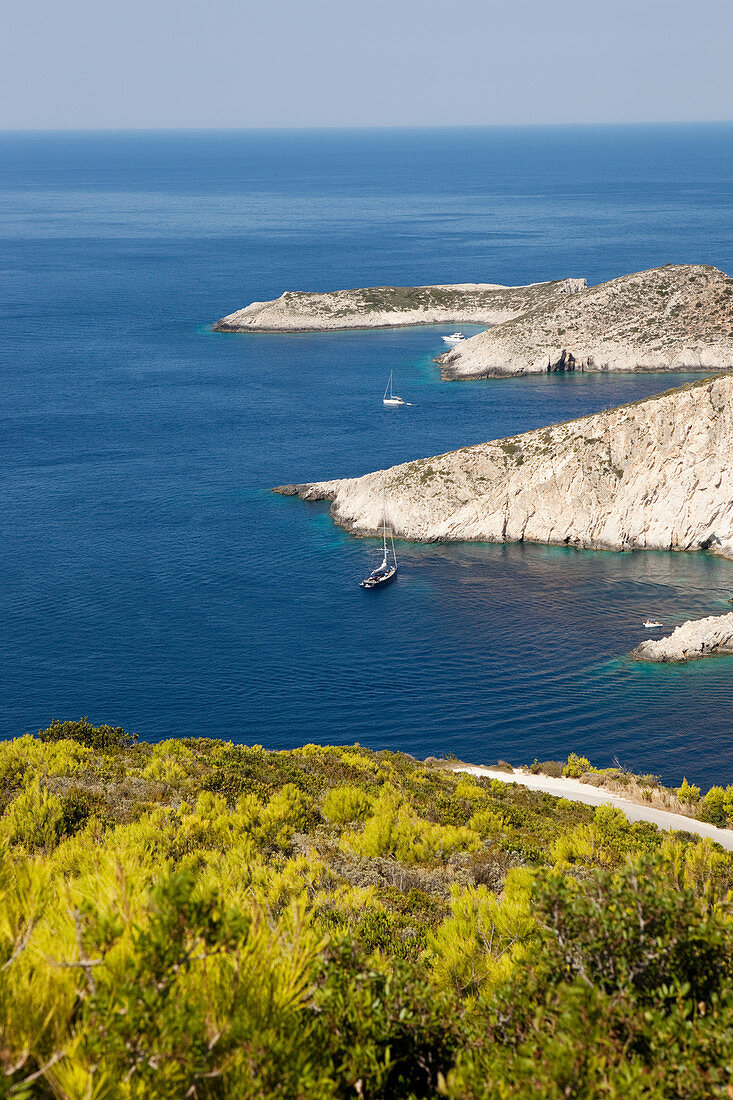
<point x="149" y="578"/>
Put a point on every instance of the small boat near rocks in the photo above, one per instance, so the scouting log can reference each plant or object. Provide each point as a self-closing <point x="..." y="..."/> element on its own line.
<point x="651" y="624"/>
<point x="386" y="571"/>
<point x="454" y="338"/>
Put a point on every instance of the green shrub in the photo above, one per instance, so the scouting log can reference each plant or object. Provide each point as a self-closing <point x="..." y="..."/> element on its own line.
<point x="576" y="766"/>
<point x="687" y="792"/>
<point x="714" y="806"/>
<point x="388" y="1032"/>
<point x="554" y="768"/>
<point x="101" y="738"/>
<point x="395" y="830"/>
<point x="33" y="819"/>
<point x="670" y="942"/>
<point x="344" y="804"/>
<point x="77" y="807"/>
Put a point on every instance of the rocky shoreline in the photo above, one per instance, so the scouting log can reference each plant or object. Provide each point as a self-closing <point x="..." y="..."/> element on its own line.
<point x="391" y="306"/>
<point x="654" y="474"/>
<point x="673" y="318"/>
<point x="690" y="641"/>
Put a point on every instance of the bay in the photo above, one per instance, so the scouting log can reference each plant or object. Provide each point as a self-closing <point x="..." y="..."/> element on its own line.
<point x="151" y="579"/>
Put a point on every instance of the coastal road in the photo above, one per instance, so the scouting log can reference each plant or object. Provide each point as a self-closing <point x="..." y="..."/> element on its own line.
<point x="575" y="791"/>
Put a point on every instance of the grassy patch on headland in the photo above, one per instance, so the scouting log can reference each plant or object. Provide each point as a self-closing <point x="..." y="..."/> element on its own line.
<point x="200" y="919"/>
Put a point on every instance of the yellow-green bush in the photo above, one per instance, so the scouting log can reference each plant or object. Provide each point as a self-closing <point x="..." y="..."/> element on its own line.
<point x="393" y="829"/>
<point x="344" y="804"/>
<point x="484" y="937"/>
<point x="576" y="766"/>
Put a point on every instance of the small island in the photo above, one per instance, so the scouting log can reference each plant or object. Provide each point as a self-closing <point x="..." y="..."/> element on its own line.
<point x="673" y="318"/>
<point x="397" y="306"/>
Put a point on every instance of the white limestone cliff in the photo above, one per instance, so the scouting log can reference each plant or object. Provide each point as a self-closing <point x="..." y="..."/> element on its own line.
<point x="655" y="474"/>
<point x="678" y="317"/>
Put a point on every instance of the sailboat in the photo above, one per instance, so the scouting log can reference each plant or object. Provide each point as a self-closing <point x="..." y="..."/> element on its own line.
<point x="392" y="401"/>
<point x="385" y="571"/>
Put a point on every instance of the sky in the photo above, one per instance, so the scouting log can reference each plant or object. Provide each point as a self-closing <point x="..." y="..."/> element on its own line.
<point x="96" y="64"/>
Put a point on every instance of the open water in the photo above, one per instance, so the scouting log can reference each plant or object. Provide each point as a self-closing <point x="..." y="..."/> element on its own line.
<point x="148" y="577"/>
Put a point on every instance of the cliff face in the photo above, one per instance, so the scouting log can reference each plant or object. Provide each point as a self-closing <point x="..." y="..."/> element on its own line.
<point x="670" y="318"/>
<point x="380" y="307"/>
<point x="656" y="474"/>
<point x="693" y="639"/>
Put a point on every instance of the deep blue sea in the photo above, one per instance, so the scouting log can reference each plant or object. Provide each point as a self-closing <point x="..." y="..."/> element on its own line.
<point x="149" y="578"/>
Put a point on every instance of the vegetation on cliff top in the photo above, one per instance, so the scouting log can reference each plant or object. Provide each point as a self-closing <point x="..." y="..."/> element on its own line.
<point x="198" y="919"/>
<point x="316" y="310"/>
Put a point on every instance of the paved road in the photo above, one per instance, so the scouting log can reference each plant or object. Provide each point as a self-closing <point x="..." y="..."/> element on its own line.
<point x="576" y="791"/>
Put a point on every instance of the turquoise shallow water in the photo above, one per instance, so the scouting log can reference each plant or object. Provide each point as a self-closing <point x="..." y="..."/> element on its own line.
<point x="149" y="577"/>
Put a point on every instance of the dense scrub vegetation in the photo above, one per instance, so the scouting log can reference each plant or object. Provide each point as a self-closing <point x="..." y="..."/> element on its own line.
<point x="198" y="919"/>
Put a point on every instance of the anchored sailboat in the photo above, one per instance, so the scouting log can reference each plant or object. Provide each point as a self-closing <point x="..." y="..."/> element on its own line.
<point x="386" y="571"/>
<point x="391" y="399"/>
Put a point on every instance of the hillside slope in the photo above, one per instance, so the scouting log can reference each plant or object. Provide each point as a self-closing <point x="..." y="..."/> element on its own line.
<point x="199" y="919"/>
<point x="656" y="474"/>
<point x="678" y="317"/>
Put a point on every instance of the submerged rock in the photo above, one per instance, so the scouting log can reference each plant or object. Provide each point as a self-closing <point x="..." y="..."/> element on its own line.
<point x="693" y="639"/>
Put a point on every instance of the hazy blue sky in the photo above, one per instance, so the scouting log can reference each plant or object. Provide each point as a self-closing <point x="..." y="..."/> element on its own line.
<point x="229" y="63"/>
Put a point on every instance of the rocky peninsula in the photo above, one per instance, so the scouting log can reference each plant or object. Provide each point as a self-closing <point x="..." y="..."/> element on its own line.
<point x="691" y="640"/>
<point x="677" y="317"/>
<point x="389" y="306"/>
<point x="654" y="474"/>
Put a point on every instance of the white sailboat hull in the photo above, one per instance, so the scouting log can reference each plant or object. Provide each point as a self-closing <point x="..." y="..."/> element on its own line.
<point x="391" y="400"/>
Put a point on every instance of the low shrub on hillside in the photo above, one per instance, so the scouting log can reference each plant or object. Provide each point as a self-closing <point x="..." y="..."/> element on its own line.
<point x="197" y="919"/>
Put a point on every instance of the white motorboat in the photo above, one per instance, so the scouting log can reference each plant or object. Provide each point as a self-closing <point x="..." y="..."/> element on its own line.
<point x="650" y="624"/>
<point x="391" y="399"/>
<point x="454" y="338"/>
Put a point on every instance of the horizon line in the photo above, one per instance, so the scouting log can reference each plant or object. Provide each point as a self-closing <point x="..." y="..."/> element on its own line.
<point x="341" y="127"/>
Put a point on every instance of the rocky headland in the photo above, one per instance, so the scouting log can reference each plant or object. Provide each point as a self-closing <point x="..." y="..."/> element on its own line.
<point x="654" y="474"/>
<point x="677" y="317"/>
<point x="693" y="639"/>
<point x="389" y="306"/>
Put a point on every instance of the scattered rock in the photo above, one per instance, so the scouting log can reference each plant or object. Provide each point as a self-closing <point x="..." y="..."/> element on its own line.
<point x="693" y="639"/>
